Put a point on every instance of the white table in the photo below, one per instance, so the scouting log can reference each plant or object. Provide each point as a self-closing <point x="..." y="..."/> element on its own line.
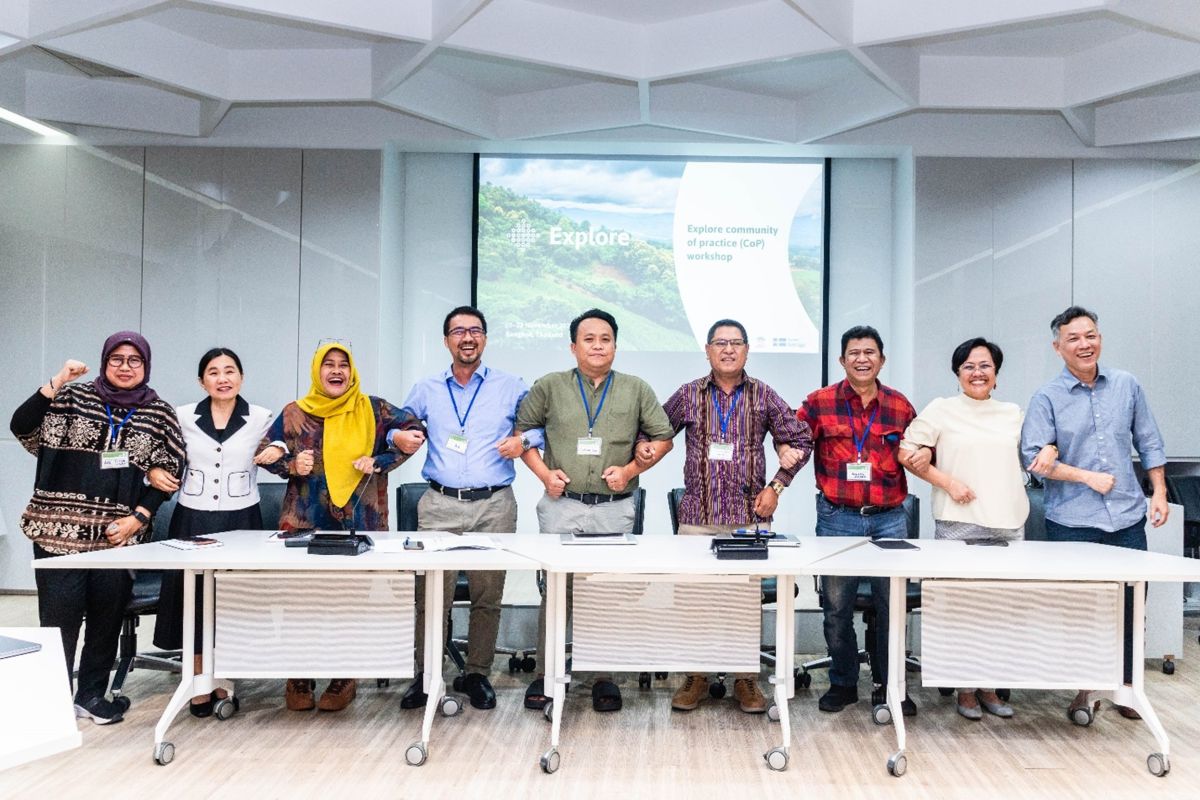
<point x="656" y="567"/>
<point x="254" y="552"/>
<point x="39" y="717"/>
<point x="1056" y="569"/>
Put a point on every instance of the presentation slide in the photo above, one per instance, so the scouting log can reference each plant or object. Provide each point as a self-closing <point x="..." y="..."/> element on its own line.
<point x="667" y="246"/>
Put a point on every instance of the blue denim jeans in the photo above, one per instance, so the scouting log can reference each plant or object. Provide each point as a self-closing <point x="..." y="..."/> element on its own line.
<point x="839" y="593"/>
<point x="1134" y="538"/>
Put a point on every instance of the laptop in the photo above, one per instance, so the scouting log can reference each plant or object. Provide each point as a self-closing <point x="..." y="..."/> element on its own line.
<point x="16" y="647"/>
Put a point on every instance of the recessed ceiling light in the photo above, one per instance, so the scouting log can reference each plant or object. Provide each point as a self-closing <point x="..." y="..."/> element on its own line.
<point x="28" y="124"/>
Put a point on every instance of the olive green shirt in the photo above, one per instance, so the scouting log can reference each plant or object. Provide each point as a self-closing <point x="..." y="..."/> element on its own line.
<point x="554" y="404"/>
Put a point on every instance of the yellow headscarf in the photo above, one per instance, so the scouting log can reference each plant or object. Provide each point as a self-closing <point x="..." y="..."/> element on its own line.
<point x="349" y="426"/>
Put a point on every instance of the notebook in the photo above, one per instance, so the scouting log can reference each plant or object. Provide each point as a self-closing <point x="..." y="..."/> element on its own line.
<point x="16" y="647"/>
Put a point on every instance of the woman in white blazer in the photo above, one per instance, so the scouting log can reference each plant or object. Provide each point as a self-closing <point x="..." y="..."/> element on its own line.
<point x="219" y="491"/>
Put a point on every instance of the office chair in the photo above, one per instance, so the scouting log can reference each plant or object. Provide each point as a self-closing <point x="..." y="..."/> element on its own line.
<point x="147" y="586"/>
<point x="864" y="603"/>
<point x="1185" y="491"/>
<point x="407" y="497"/>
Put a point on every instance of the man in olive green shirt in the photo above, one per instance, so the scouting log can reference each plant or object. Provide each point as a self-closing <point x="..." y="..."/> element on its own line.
<point x="591" y="416"/>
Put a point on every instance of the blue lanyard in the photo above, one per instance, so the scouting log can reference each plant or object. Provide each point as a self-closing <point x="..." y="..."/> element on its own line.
<point x="462" y="419"/>
<point x="114" y="430"/>
<point x="860" y="443"/>
<point x="587" y="406"/>
<point x="724" y="418"/>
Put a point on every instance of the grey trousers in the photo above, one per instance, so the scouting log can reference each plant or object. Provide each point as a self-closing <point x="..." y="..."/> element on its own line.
<point x="563" y="515"/>
<point x="496" y="514"/>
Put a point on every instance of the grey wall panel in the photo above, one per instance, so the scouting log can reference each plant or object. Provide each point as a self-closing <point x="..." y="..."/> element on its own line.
<point x="222" y="266"/>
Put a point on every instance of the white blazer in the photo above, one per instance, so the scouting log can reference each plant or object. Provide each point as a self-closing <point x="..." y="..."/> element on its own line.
<point x="221" y="476"/>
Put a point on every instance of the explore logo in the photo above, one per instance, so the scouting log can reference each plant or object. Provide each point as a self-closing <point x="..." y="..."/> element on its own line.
<point x="522" y="235"/>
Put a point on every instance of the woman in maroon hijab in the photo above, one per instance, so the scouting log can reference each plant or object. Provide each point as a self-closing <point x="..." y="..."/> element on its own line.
<point x="95" y="445"/>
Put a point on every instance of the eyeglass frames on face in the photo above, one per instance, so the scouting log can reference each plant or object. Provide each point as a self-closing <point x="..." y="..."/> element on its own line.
<point x="475" y="330"/>
<point x="721" y="344"/>
<point x="119" y="361"/>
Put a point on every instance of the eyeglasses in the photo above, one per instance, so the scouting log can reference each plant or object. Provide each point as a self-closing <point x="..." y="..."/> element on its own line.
<point x="721" y="344"/>
<point x="967" y="369"/>
<point x="458" y="333"/>
<point x="119" y="361"/>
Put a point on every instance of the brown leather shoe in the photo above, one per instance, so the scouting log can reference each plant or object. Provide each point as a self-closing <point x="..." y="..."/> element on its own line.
<point x="338" y="694"/>
<point x="749" y="696"/>
<point x="1127" y="712"/>
<point x="299" y="694"/>
<point x="688" y="696"/>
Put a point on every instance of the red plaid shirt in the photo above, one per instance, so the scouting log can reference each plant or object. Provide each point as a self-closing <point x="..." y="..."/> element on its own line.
<point x="830" y="420"/>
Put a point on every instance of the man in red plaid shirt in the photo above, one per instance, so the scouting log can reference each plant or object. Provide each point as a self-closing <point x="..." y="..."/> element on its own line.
<point x="857" y="424"/>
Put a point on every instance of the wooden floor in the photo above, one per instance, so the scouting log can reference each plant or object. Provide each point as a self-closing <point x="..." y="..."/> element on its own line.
<point x="646" y="750"/>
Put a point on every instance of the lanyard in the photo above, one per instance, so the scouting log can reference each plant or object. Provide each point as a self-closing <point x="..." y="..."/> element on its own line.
<point x="114" y="429"/>
<point x="724" y="418"/>
<point x="587" y="408"/>
<point x="860" y="443"/>
<point x="462" y="419"/>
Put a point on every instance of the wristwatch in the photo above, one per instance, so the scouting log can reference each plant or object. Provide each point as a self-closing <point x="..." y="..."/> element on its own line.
<point x="777" y="486"/>
<point x="140" y="517"/>
<point x="525" y="444"/>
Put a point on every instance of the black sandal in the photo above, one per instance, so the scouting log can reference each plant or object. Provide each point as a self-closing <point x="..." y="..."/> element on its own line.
<point x="205" y="709"/>
<point x="535" y="695"/>
<point x="606" y="696"/>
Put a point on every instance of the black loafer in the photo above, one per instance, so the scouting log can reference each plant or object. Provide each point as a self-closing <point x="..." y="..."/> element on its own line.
<point x="479" y="690"/>
<point x="837" y="698"/>
<point x="202" y="710"/>
<point x="536" y="698"/>
<point x="414" y="695"/>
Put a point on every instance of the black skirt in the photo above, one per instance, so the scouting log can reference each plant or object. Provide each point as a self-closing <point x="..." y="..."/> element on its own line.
<point x="168" y="625"/>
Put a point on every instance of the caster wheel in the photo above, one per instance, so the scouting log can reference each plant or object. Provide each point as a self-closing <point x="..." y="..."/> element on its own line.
<point x="945" y="691"/>
<point x="224" y="709"/>
<point x="164" y="753"/>
<point x="382" y="683"/>
<point x="644" y="680"/>
<point x="716" y="691"/>
<point x="548" y="711"/>
<point x="1168" y="668"/>
<point x="773" y="713"/>
<point x="660" y="676"/>
<point x="458" y="683"/>
<point x="777" y="758"/>
<point x="1081" y="716"/>
<point x="528" y="664"/>
<point x="416" y="754"/>
<point x="514" y="664"/>
<point x="1158" y="764"/>
<point x="1004" y="694"/>
<point x="550" y="761"/>
<point x="803" y="680"/>
<point x="122" y="702"/>
<point x="881" y="714"/>
<point x="450" y="706"/>
<point x="897" y="765"/>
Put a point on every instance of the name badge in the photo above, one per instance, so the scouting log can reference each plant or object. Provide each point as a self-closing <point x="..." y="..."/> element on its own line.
<point x="859" y="471"/>
<point x="588" y="446"/>
<point x="457" y="443"/>
<point x="720" y="451"/>
<point x="114" y="459"/>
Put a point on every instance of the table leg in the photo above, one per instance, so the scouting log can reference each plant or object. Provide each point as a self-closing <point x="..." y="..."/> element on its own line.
<point x="164" y="751"/>
<point x="1135" y="694"/>
<point x="554" y="651"/>
<point x="777" y="757"/>
<point x="897" y="620"/>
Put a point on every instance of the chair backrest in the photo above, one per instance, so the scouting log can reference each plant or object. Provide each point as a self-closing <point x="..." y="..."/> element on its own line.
<point x="1035" y="523"/>
<point x="1185" y="490"/>
<point x="912" y="517"/>
<point x="407" y="497"/>
<point x="674" y="498"/>
<point x="639" y="510"/>
<point x="161" y="524"/>
<point x="270" y="502"/>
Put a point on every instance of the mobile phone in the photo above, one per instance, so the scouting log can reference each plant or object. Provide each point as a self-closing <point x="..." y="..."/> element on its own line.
<point x="294" y="533"/>
<point x="200" y="540"/>
<point x="414" y="544"/>
<point x="988" y="542"/>
<point x="894" y="544"/>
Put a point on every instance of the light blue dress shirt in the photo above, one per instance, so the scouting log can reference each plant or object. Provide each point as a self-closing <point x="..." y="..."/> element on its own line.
<point x="1095" y="429"/>
<point x="488" y="416"/>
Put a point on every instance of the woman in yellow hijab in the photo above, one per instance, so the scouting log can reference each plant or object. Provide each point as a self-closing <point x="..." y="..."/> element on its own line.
<point x="336" y="462"/>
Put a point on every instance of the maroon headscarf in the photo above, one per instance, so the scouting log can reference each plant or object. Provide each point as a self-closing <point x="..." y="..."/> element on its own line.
<point x="139" y="395"/>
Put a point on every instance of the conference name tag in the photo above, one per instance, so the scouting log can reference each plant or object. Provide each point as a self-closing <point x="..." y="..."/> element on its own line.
<point x="114" y="459"/>
<point x="859" y="471"/>
<point x="588" y="446"/>
<point x="457" y="443"/>
<point x="720" y="451"/>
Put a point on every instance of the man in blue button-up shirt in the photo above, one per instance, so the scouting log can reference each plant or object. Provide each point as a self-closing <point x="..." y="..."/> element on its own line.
<point x="1078" y="435"/>
<point x="469" y="411"/>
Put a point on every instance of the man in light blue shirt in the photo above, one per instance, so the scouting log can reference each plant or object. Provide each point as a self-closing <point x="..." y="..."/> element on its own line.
<point x="1078" y="435"/>
<point x="469" y="411"/>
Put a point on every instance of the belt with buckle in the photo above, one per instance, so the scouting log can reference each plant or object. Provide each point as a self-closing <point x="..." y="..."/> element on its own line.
<point x="481" y="493"/>
<point x="863" y="511"/>
<point x="590" y="499"/>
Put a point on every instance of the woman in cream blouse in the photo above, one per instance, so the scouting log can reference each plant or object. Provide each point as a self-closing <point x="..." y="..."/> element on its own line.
<point x="978" y="482"/>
